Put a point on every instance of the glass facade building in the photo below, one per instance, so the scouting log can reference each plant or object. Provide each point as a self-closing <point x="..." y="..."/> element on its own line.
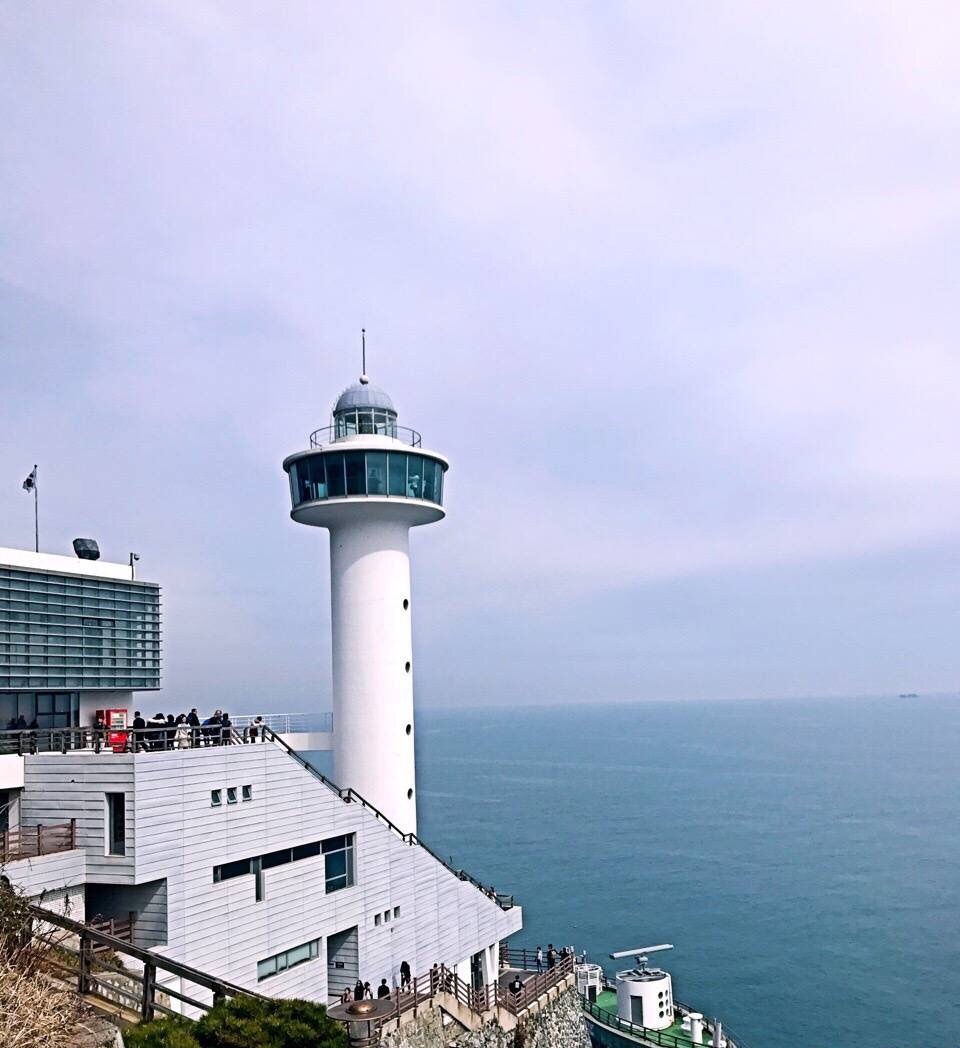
<point x="392" y="474"/>
<point x="62" y="634"/>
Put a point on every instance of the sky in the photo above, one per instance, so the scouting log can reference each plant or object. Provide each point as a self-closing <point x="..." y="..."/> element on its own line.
<point x="673" y="287"/>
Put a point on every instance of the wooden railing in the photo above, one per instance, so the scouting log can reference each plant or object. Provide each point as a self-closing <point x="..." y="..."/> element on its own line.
<point x="117" y="927"/>
<point x="78" y="953"/>
<point x="28" y="842"/>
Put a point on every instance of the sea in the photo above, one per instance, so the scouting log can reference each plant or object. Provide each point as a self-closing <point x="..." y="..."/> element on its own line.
<point x="802" y="856"/>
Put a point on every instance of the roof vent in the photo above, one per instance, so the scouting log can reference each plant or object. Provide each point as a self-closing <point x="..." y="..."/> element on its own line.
<point x="86" y="549"/>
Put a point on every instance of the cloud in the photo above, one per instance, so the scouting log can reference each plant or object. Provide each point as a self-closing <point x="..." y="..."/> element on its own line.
<point x="670" y="286"/>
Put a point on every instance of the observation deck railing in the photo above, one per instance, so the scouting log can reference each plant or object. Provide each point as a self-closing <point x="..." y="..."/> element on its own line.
<point x="159" y="738"/>
<point x="288" y="723"/>
<point x="29" y="842"/>
<point x="320" y="438"/>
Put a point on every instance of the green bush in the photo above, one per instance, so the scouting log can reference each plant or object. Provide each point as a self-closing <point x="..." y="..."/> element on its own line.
<point x="245" y="1022"/>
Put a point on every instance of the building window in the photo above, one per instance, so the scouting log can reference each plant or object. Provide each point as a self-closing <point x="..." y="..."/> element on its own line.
<point x="216" y="798"/>
<point x="246" y="793"/>
<point x="280" y="962"/>
<point x="338" y="862"/>
<point x="228" y="870"/>
<point x="376" y="920"/>
<point x="231" y="795"/>
<point x="396" y="911"/>
<point x="116" y="824"/>
<point x="386" y="916"/>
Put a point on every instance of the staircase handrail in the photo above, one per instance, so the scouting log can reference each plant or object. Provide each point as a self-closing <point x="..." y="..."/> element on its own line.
<point x="350" y="795"/>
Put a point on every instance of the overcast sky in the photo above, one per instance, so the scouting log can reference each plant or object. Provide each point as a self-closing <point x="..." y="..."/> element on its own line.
<point x="674" y="287"/>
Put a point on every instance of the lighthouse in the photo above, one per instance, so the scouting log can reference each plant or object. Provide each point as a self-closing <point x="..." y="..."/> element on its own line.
<point x="368" y="481"/>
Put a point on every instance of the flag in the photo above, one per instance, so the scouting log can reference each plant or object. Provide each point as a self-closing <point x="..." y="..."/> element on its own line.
<point x="31" y="482"/>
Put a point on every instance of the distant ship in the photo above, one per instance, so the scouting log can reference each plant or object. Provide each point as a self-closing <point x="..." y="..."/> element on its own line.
<point x="908" y="695"/>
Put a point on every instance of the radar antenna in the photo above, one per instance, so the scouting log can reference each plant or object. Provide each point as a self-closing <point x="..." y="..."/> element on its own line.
<point x="640" y="953"/>
<point x="363" y="350"/>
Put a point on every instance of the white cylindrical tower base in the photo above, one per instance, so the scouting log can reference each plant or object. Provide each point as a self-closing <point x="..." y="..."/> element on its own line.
<point x="373" y="660"/>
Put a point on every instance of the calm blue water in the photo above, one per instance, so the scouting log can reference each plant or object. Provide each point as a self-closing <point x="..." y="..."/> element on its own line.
<point x="803" y="856"/>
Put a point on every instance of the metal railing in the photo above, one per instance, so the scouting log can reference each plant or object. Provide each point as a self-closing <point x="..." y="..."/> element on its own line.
<point x="82" y="957"/>
<point x="329" y="435"/>
<point x="422" y="990"/>
<point x="123" y="740"/>
<point x="288" y="723"/>
<point x="29" y="842"/>
<point x="659" y="1037"/>
<point x="505" y="902"/>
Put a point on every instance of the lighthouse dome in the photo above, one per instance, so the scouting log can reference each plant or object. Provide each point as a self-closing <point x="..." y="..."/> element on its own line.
<point x="364" y="394"/>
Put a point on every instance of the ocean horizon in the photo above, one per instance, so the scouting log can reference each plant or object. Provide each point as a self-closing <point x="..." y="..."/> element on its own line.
<point x="801" y="854"/>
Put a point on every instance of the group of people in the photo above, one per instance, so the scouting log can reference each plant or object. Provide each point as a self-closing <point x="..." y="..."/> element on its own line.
<point x="20" y="724"/>
<point x="362" y="991"/>
<point x="186" y="730"/>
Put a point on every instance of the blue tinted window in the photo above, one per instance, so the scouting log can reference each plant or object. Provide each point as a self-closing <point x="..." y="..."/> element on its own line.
<point x="376" y="473"/>
<point x="336" y="484"/>
<point x="398" y="474"/>
<point x="356" y="479"/>
<point x="439" y="484"/>
<point x="414" y="476"/>
<point x="429" y="480"/>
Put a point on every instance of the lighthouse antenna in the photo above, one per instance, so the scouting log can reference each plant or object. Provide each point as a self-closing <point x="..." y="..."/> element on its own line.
<point x="363" y="342"/>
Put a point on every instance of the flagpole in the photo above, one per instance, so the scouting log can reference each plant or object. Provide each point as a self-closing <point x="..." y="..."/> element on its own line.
<point x="36" y="512"/>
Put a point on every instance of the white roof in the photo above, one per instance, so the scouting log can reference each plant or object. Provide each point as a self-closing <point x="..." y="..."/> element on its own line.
<point x="100" y="569"/>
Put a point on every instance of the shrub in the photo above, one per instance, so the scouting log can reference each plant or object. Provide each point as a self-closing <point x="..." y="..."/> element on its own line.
<point x="245" y="1022"/>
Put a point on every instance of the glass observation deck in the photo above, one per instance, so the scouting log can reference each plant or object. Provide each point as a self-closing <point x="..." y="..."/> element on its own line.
<point x="343" y="474"/>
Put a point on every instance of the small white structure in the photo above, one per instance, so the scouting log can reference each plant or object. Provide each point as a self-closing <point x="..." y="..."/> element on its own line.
<point x="368" y="481"/>
<point x="589" y="980"/>
<point x="645" y="995"/>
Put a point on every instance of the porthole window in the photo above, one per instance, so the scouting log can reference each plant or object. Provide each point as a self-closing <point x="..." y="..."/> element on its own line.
<point x="406" y="666"/>
<point x="409" y="728"/>
<point x="406" y="604"/>
<point x="409" y="795"/>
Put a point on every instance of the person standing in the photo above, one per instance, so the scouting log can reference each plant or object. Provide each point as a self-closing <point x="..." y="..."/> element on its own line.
<point x="539" y="959"/>
<point x="256" y="730"/>
<point x="193" y="719"/>
<point x="226" y="730"/>
<point x="551" y="956"/>
<point x="383" y="990"/>
<point x="404" y="975"/>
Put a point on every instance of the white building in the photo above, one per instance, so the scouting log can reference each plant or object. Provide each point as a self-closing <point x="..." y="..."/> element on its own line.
<point x="241" y="860"/>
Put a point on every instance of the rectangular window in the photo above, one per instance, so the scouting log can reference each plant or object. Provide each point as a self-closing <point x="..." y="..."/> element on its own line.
<point x="246" y="793"/>
<point x="398" y="474"/>
<point x="376" y="920"/>
<point x="116" y="824"/>
<point x="429" y="480"/>
<point x="280" y="962"/>
<point x="415" y="476"/>
<point x="336" y="486"/>
<point x="276" y="858"/>
<point x="356" y="479"/>
<point x="339" y="862"/>
<point x="376" y="473"/>
<point x="396" y="911"/>
<point x="216" y="798"/>
<point x="228" y="870"/>
<point x="231" y="795"/>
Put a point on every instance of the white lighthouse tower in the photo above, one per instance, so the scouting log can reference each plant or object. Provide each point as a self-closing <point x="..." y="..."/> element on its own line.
<point x="368" y="481"/>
